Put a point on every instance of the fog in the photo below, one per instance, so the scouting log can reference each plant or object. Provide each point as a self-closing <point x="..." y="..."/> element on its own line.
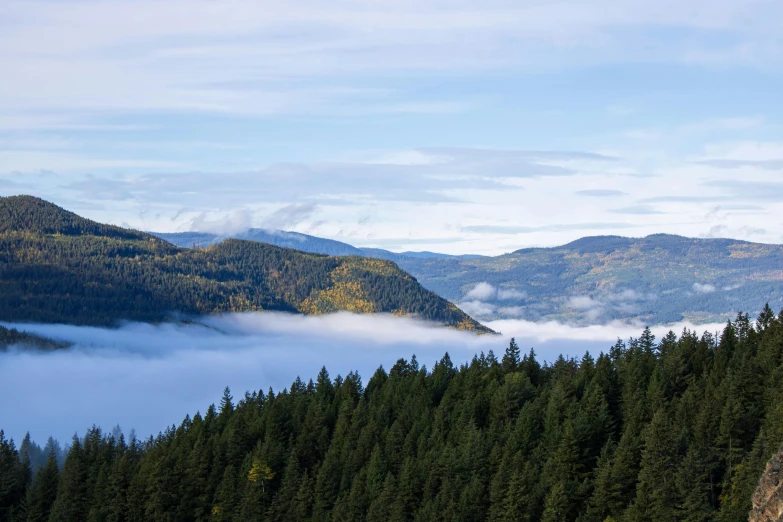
<point x="146" y="377"/>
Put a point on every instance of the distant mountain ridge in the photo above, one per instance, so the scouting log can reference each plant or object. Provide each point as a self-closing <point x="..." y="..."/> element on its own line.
<point x="56" y="266"/>
<point x="280" y="238"/>
<point x="661" y="278"/>
<point x="295" y="240"/>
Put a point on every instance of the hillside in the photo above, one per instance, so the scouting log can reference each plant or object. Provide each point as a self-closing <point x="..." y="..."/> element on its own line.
<point x="656" y="279"/>
<point x="58" y="267"/>
<point x="12" y="337"/>
<point x="676" y="429"/>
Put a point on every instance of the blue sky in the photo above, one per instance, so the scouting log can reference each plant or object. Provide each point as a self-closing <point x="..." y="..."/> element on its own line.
<point x="457" y="126"/>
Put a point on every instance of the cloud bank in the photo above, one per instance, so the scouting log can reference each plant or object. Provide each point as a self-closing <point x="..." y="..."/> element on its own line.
<point x="146" y="377"/>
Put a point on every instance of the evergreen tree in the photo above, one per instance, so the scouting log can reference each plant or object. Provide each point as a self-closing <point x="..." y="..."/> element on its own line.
<point x="72" y="502"/>
<point x="44" y="491"/>
<point x="511" y="357"/>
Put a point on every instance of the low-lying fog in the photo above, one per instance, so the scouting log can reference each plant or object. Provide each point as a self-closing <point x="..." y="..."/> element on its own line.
<point x="146" y="377"/>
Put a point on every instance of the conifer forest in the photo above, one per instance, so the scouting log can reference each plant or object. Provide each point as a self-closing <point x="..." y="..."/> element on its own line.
<point x="677" y="428"/>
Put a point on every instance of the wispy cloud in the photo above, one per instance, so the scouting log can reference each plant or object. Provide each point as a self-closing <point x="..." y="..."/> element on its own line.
<point x="601" y="193"/>
<point x="583" y="302"/>
<point x="277" y="56"/>
<point x="637" y="209"/>
<point x="482" y="292"/>
<point x="737" y="164"/>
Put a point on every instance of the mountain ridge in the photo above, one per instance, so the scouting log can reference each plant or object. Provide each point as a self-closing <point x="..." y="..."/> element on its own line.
<point x="659" y="278"/>
<point x="58" y="267"/>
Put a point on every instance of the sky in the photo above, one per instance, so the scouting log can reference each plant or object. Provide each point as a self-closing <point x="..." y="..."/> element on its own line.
<point x="147" y="377"/>
<point x="454" y="126"/>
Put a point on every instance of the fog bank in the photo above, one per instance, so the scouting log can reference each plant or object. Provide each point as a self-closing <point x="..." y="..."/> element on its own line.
<point x="146" y="377"/>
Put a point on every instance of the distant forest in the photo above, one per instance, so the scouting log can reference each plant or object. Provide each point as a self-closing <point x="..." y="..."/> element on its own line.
<point x="676" y="429"/>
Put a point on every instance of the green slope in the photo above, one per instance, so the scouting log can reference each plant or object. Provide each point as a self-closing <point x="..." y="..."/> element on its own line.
<point x="58" y="267"/>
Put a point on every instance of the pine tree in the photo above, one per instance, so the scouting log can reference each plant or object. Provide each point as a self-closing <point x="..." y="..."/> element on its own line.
<point x="72" y="503"/>
<point x="518" y="503"/>
<point x="226" y="501"/>
<point x="11" y="479"/>
<point x="44" y="491"/>
<point x="657" y="494"/>
<point x="511" y="359"/>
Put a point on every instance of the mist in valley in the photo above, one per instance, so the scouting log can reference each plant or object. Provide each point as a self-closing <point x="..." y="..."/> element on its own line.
<point x="146" y="377"/>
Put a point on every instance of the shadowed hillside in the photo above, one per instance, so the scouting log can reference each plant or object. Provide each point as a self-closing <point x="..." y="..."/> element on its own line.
<point x="58" y="267"/>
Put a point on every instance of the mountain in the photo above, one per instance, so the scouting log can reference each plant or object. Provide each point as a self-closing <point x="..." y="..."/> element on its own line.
<point x="58" y="267"/>
<point x="657" y="279"/>
<point x="279" y="238"/>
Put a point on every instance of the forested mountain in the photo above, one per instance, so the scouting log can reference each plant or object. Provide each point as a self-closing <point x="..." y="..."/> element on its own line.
<point x="58" y="267"/>
<point x="657" y="279"/>
<point x="673" y="430"/>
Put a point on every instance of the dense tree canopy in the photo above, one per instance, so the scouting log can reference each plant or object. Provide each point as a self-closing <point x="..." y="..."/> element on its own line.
<point x="58" y="267"/>
<point x="673" y="429"/>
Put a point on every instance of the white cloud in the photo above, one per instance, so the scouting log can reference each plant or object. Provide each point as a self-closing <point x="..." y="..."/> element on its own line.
<point x="626" y="295"/>
<point x="477" y="309"/>
<point x="703" y="288"/>
<point x="510" y="293"/>
<point x="583" y="302"/>
<point x="481" y="292"/>
<point x="485" y="292"/>
<point x="607" y="333"/>
<point x="511" y="311"/>
<point x="222" y="223"/>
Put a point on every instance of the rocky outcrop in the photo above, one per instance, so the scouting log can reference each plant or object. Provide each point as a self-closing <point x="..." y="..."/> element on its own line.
<point x="768" y="498"/>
